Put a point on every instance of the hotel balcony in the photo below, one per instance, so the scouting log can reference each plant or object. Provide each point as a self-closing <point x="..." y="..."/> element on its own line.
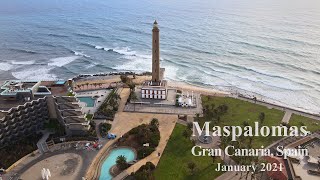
<point x="75" y="120"/>
<point x="65" y="99"/>
<point x="22" y="123"/>
<point x="4" y="123"/>
<point x="68" y="106"/>
<point x="8" y="133"/>
<point x="67" y="113"/>
<point x="13" y="126"/>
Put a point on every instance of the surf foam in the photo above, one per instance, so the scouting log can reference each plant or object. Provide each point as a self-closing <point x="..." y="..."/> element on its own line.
<point x="5" y="66"/>
<point x="35" y="73"/>
<point x="80" y="54"/>
<point x="62" y="61"/>
<point x="22" y="62"/>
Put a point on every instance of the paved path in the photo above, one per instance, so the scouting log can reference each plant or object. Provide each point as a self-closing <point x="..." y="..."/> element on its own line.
<point x="287" y="116"/>
<point x="124" y="94"/>
<point x="162" y="109"/>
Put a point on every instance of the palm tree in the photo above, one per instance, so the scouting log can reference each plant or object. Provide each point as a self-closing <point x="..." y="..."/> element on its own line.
<point x="87" y="85"/>
<point x="262" y="117"/>
<point x="121" y="162"/>
<point x="131" y="86"/>
<point x="223" y="144"/>
<point x="134" y="98"/>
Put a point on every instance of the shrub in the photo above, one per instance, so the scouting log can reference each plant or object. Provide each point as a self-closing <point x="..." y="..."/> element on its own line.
<point x="187" y="133"/>
<point x="145" y="151"/>
<point x="89" y="116"/>
<point x="104" y="129"/>
<point x="144" y="172"/>
<point x="192" y="167"/>
<point x="154" y="140"/>
<point x="155" y="122"/>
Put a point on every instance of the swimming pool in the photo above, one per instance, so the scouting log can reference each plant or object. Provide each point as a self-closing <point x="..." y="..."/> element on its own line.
<point x="88" y="100"/>
<point x="111" y="160"/>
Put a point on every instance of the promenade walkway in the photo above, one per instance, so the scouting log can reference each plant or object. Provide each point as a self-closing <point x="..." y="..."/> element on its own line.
<point x="124" y="95"/>
<point x="287" y="116"/>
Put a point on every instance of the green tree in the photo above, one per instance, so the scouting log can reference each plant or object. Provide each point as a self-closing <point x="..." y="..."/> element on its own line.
<point x="122" y="162"/>
<point x="155" y="122"/>
<point x="262" y="116"/>
<point x="133" y="98"/>
<point x="192" y="167"/>
<point x="131" y="86"/>
<point x="187" y="133"/>
<point x="223" y="144"/>
<point x="190" y="125"/>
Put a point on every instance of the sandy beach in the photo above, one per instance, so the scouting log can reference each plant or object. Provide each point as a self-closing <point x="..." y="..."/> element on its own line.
<point x="106" y="80"/>
<point x="197" y="89"/>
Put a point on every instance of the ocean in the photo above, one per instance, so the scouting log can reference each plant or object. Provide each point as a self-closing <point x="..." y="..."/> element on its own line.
<point x="267" y="48"/>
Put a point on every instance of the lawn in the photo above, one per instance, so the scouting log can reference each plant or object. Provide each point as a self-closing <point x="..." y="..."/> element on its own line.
<point x="240" y="111"/>
<point x="297" y="120"/>
<point x="173" y="163"/>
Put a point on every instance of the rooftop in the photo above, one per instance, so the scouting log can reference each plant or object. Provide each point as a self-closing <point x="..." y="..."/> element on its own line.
<point x="16" y="92"/>
<point x="57" y="88"/>
<point x="12" y="87"/>
<point x="151" y="85"/>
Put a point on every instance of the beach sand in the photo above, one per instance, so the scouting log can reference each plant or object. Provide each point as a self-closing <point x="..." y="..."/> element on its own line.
<point x="106" y="80"/>
<point x="196" y="89"/>
<point x="184" y="86"/>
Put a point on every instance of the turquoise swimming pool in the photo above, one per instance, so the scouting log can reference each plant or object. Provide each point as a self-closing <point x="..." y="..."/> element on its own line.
<point x="111" y="160"/>
<point x="88" y="100"/>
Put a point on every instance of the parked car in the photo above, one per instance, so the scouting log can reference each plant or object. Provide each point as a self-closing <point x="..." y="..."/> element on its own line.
<point x="111" y="136"/>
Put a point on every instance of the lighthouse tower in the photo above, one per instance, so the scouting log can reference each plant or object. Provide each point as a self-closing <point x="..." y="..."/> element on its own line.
<point x="156" y="88"/>
<point x="155" y="55"/>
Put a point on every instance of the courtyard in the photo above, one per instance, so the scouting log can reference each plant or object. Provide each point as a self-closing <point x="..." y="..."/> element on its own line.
<point x="63" y="167"/>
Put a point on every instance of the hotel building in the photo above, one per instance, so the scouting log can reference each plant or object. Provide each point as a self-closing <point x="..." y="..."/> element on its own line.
<point x="26" y="105"/>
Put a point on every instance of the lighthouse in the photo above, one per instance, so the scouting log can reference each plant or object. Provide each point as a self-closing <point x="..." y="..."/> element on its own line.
<point x="156" y="87"/>
<point x="155" y="55"/>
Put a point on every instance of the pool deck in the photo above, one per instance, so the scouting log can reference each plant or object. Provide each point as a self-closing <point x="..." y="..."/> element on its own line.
<point x="124" y="122"/>
<point x="103" y="94"/>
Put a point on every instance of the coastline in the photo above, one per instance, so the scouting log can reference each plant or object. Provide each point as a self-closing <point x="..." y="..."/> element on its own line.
<point x="204" y="90"/>
<point x="111" y="77"/>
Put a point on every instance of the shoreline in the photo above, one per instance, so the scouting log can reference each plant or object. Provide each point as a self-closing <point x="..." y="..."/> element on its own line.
<point x="204" y="90"/>
<point x="234" y="92"/>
